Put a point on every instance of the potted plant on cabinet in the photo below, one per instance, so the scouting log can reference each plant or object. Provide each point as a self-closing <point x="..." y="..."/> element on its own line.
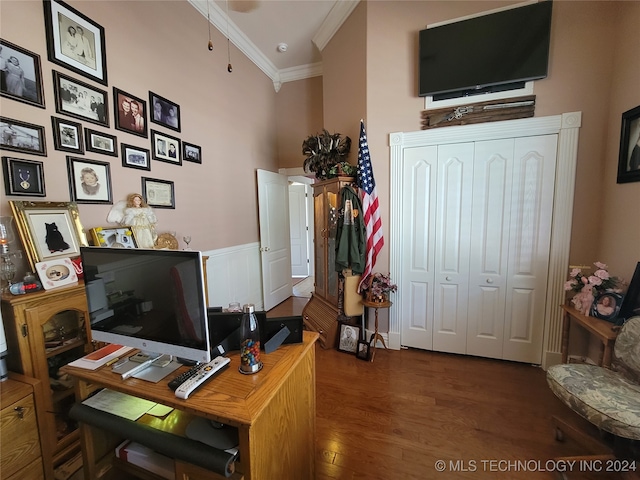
<point x="324" y="151"/>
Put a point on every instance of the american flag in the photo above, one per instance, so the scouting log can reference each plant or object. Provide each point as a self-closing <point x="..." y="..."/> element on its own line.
<point x="370" y="207"/>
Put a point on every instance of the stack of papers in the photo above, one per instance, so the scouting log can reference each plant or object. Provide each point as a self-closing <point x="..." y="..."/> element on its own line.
<point x="125" y="406"/>
<point x="104" y="355"/>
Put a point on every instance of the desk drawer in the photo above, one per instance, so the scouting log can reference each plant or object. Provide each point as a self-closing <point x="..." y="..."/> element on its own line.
<point x="19" y="438"/>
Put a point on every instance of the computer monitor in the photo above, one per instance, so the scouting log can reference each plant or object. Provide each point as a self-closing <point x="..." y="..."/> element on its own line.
<point x="153" y="300"/>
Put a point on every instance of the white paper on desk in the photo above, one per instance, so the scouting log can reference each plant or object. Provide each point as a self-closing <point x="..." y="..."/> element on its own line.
<point x="120" y="404"/>
<point x="95" y="364"/>
<point x="160" y="410"/>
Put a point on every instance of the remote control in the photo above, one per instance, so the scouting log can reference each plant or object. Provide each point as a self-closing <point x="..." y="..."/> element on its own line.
<point x="179" y="379"/>
<point x="208" y="371"/>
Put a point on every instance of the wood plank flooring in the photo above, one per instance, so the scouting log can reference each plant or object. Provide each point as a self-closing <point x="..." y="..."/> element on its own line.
<point x="397" y="417"/>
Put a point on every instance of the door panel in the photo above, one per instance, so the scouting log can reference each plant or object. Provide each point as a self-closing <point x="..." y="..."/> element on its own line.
<point x="298" y="226"/>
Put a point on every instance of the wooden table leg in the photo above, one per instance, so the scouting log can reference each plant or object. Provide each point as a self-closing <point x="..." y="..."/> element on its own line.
<point x="566" y="325"/>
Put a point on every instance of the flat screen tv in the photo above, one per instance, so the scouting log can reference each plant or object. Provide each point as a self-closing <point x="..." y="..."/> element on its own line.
<point x="631" y="302"/>
<point x="153" y="300"/>
<point x="489" y="53"/>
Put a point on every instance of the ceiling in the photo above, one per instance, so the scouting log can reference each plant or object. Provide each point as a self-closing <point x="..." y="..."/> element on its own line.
<point x="257" y="27"/>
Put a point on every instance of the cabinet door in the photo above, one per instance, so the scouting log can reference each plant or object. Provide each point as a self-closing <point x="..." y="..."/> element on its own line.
<point x="19" y="438"/>
<point x="319" y="241"/>
<point x="57" y="335"/>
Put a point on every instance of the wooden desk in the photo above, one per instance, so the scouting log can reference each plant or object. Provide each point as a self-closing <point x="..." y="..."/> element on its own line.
<point x="601" y="329"/>
<point x="274" y="411"/>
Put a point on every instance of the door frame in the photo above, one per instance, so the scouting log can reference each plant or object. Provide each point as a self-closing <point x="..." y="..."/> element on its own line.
<point x="566" y="126"/>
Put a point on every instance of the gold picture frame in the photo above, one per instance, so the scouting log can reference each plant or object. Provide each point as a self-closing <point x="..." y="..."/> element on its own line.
<point x="113" y="237"/>
<point x="49" y="230"/>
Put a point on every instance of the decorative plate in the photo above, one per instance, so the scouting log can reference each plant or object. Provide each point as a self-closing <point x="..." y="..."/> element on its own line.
<point x="168" y="241"/>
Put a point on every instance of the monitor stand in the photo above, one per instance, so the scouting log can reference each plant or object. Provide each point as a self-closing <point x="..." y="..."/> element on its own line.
<point x="149" y="367"/>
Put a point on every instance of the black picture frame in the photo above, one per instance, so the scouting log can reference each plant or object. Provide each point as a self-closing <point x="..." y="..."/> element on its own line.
<point x="125" y="120"/>
<point x="23" y="177"/>
<point x="25" y="78"/>
<point x="606" y="306"/>
<point x="629" y="158"/>
<point x="348" y="336"/>
<point x="164" y="112"/>
<point x="158" y="193"/>
<point x="135" y="157"/>
<point x="99" y="142"/>
<point x="80" y="100"/>
<point x="78" y="169"/>
<point x="74" y="41"/>
<point x="23" y="137"/>
<point x="191" y="152"/>
<point x="67" y="135"/>
<point x="363" y="350"/>
<point x="166" y="148"/>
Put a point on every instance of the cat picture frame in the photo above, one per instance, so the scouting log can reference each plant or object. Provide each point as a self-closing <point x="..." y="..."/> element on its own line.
<point x="48" y="230"/>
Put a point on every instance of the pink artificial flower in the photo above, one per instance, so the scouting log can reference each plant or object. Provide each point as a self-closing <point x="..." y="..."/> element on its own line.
<point x="601" y="266"/>
<point x="569" y="285"/>
<point x="593" y="280"/>
<point x="575" y="272"/>
<point x="603" y="274"/>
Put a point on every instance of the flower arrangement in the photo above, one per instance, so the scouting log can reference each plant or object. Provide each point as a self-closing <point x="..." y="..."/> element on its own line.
<point x="323" y="151"/>
<point x="587" y="287"/>
<point x="377" y="287"/>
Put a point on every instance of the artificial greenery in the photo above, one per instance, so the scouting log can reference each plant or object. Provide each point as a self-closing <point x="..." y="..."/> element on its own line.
<point x="324" y="151"/>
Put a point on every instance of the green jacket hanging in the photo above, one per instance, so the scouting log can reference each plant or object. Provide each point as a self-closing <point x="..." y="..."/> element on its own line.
<point x="350" y="234"/>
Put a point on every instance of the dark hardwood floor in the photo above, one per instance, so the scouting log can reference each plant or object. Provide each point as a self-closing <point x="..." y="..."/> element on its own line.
<point x="396" y="418"/>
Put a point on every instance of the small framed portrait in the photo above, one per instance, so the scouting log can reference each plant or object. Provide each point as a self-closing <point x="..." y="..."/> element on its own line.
<point x="348" y="336"/>
<point x="22" y="137"/>
<point x="120" y="237"/>
<point x="606" y="306"/>
<point x="89" y="180"/>
<point x="20" y="75"/>
<point x="130" y="113"/>
<point x="67" y="135"/>
<point x="80" y="100"/>
<point x="98" y="142"/>
<point x="48" y="230"/>
<point x="629" y="159"/>
<point x="158" y="193"/>
<point x="363" y="350"/>
<point x="23" y="177"/>
<point x="135" y="157"/>
<point x="56" y="273"/>
<point x="164" y="112"/>
<point x="74" y="41"/>
<point x="191" y="153"/>
<point x="165" y="148"/>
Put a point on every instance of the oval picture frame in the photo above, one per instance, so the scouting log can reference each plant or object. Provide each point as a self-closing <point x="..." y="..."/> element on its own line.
<point x="606" y="306"/>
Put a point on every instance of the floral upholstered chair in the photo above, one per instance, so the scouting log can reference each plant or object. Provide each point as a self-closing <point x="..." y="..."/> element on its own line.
<point x="608" y="398"/>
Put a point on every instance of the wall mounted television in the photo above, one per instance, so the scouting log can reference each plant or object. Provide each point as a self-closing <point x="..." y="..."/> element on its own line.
<point x="153" y="300"/>
<point x="493" y="52"/>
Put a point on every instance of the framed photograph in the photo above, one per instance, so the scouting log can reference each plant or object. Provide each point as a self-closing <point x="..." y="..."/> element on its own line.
<point x="120" y="237"/>
<point x="89" y="180"/>
<point x="22" y="137"/>
<point x="80" y="100"/>
<point x="164" y="112"/>
<point x="158" y="193"/>
<point x="165" y="148"/>
<point x="56" y="273"/>
<point x="20" y="75"/>
<point x="67" y="135"/>
<point x="191" y="153"/>
<point x="629" y="160"/>
<point x="136" y="157"/>
<point x="48" y="230"/>
<point x="23" y="177"/>
<point x="606" y="306"/>
<point x="363" y="350"/>
<point x="130" y="113"/>
<point x="348" y="336"/>
<point x="98" y="142"/>
<point x="74" y="41"/>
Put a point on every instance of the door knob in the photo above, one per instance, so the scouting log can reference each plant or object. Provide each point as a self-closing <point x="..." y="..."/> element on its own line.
<point x="489" y="280"/>
<point x="448" y="279"/>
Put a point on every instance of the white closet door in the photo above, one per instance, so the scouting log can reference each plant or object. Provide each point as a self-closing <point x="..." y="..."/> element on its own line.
<point x="418" y="245"/>
<point x="492" y="185"/>
<point x="530" y="240"/>
<point x="452" y="236"/>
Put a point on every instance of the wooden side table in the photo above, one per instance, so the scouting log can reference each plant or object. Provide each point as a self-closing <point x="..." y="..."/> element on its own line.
<point x="375" y="336"/>
<point x="604" y="331"/>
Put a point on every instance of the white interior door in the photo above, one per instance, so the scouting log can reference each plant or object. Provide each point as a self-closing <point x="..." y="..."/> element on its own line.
<point x="299" y="230"/>
<point x="275" y="246"/>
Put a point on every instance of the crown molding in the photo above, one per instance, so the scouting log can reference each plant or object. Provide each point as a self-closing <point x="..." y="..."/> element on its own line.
<point x="218" y="18"/>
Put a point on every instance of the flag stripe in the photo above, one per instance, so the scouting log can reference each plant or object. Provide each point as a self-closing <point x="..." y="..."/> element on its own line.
<point x="370" y="206"/>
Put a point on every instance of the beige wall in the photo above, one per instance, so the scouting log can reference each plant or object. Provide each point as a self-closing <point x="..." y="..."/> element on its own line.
<point x="592" y="44"/>
<point x="162" y="47"/>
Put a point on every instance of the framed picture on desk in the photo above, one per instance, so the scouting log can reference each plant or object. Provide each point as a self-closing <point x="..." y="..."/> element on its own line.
<point x="606" y="306"/>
